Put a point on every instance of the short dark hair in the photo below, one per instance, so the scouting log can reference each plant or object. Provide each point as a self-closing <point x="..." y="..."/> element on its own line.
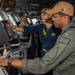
<point x="62" y="14"/>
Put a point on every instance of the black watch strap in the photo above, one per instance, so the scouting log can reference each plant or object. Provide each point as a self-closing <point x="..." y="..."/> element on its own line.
<point x="9" y="61"/>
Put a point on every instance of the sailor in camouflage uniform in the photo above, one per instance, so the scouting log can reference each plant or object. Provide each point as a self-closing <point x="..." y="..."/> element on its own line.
<point x="61" y="58"/>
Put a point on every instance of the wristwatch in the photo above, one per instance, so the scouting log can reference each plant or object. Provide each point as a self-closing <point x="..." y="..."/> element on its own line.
<point x="9" y="61"/>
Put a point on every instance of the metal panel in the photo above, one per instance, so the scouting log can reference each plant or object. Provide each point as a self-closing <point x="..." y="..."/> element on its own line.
<point x="3" y="35"/>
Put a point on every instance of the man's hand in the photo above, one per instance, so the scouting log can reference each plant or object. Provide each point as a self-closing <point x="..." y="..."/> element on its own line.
<point x="17" y="28"/>
<point x="3" y="62"/>
<point x="10" y="23"/>
<point x="12" y="26"/>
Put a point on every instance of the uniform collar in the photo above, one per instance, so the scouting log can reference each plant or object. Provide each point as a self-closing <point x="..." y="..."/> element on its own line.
<point x="70" y="25"/>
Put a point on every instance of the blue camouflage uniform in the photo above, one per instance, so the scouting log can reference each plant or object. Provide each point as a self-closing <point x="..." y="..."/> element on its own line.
<point x="47" y="38"/>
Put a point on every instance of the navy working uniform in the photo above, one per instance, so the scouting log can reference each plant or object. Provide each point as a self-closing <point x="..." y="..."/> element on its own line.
<point x="47" y="38"/>
<point x="61" y="57"/>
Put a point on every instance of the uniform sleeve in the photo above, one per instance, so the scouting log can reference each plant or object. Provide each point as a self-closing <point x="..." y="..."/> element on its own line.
<point x="30" y="29"/>
<point x="53" y="57"/>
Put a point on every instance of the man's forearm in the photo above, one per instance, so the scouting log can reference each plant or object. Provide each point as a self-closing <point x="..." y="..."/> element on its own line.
<point x="18" y="28"/>
<point x="16" y="63"/>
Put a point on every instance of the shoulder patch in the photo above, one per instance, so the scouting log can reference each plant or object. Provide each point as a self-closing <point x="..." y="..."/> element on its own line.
<point x="64" y="40"/>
